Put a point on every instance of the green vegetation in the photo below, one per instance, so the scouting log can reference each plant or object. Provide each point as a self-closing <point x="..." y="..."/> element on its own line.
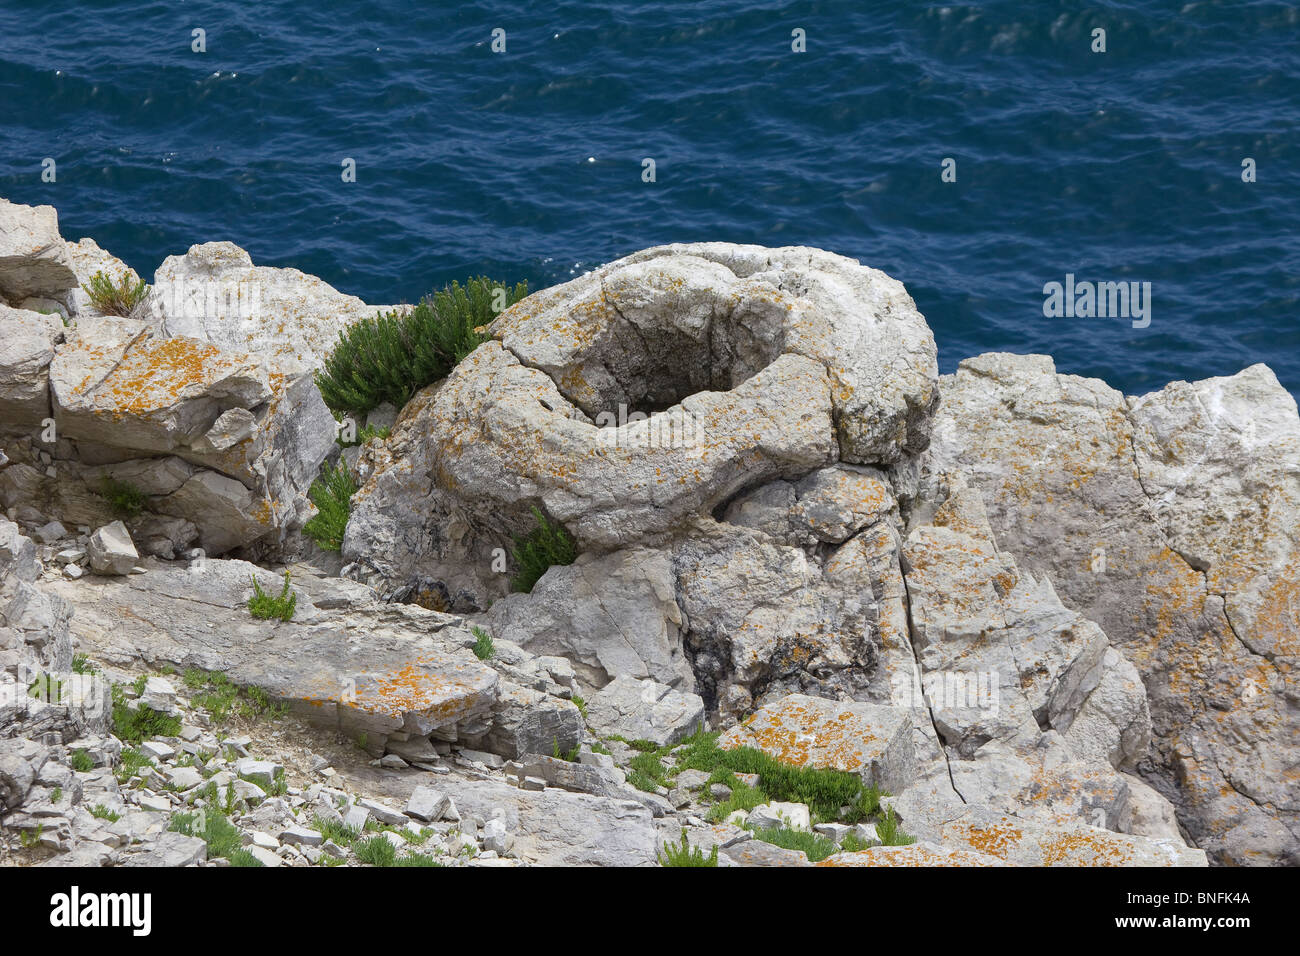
<point x="483" y="648"/>
<point x="824" y="791"/>
<point x="815" y="845"/>
<point x="222" y="837"/>
<point x="137" y="725"/>
<point x="683" y="854"/>
<point x="30" y="838"/>
<point x="545" y="545"/>
<point x="334" y="830"/>
<point x="889" y="834"/>
<point x="101" y="812"/>
<point x="331" y="493"/>
<point x="46" y="688"/>
<point x="222" y="699"/>
<point x="56" y="795"/>
<point x="124" y="499"/>
<point x="81" y="664"/>
<point x="367" y="432"/>
<point x="80" y="761"/>
<point x="581" y="704"/>
<point x="571" y="756"/>
<point x="121" y="298"/>
<point x="130" y="763"/>
<point x="391" y="357"/>
<point x="376" y="851"/>
<point x="264" y="607"/>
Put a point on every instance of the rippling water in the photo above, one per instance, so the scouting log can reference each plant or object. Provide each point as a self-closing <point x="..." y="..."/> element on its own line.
<point x="1123" y="165"/>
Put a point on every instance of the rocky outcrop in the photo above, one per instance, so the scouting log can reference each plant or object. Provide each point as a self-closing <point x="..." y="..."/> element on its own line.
<point x="1170" y="520"/>
<point x="202" y="400"/>
<point x="632" y="400"/>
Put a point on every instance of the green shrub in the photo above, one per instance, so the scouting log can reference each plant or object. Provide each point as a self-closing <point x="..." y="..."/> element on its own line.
<point x="81" y="664"/>
<point x="683" y="854"/>
<point x="264" y="607"/>
<point x="222" y="837"/>
<point x="80" y="761"/>
<point x="483" y="647"/>
<point x="391" y="357"/>
<point x="367" y="432"/>
<point x="137" y="725"/>
<point x="376" y="851"/>
<point x="546" y="545"/>
<point x="331" y="493"/>
<point x="888" y="832"/>
<point x="816" y="846"/>
<point x="124" y="499"/>
<point x="121" y="298"/>
<point x="101" y="812"/>
<point x="825" y="791"/>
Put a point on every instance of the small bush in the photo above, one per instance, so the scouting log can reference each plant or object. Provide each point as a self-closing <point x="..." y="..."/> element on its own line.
<point x="81" y="664"/>
<point x="391" y="357"/>
<point x="264" y="607"/>
<point x="683" y="854"/>
<point x="888" y="832"/>
<point x="222" y="837"/>
<point x="331" y="493"/>
<point x="546" y="545"/>
<point x="80" y="761"/>
<point x="376" y="851"/>
<point x="124" y="499"/>
<point x="137" y="725"/>
<point x="121" y="298"/>
<point x="101" y="812"/>
<point x="816" y="846"/>
<point x="483" y="647"/>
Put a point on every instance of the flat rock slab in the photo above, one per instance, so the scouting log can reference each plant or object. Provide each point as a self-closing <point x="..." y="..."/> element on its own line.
<point x="917" y="854"/>
<point x="375" y="669"/>
<point x="872" y="740"/>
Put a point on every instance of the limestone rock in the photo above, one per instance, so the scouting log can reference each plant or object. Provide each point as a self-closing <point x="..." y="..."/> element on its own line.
<point x="111" y="551"/>
<point x="644" y="710"/>
<point x="1170" y="521"/>
<point x="872" y="740"/>
<point x="27" y="342"/>
<point x="33" y="259"/>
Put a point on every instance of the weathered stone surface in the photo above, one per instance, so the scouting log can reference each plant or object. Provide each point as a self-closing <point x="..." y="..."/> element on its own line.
<point x="111" y="551"/>
<point x="215" y="294"/>
<point x="872" y="740"/>
<point x="1170" y="520"/>
<point x="27" y="342"/>
<point x="210" y="437"/>
<point x="87" y="258"/>
<point x="399" y="675"/>
<point x="744" y="382"/>
<point x="611" y="615"/>
<point x="33" y="259"/>
<point x="918" y="854"/>
<point x="644" y="710"/>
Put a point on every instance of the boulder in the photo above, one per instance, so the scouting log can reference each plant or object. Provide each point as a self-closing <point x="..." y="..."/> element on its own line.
<point x="644" y="710"/>
<point x="214" y="294"/>
<point x="111" y="551"/>
<point x="1170" y="520"/>
<point x="33" y="259"/>
<point x="872" y="740"/>
<point x="27" y="343"/>
<point x="635" y="399"/>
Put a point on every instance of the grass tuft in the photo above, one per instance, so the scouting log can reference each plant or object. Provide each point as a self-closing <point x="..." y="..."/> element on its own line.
<point x="120" y="298"/>
<point x="124" y="499"/>
<point x="483" y="647"/>
<point x="264" y="606"/>
<point x="546" y="545"/>
<point x="331" y="493"/>
<point x="683" y="854"/>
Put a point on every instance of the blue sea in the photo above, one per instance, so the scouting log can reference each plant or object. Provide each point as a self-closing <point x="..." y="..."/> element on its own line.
<point x="1122" y="165"/>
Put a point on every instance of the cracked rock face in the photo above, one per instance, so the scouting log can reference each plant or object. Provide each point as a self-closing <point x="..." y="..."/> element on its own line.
<point x="203" y="399"/>
<point x="634" y="399"/>
<point x="1171" y="521"/>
